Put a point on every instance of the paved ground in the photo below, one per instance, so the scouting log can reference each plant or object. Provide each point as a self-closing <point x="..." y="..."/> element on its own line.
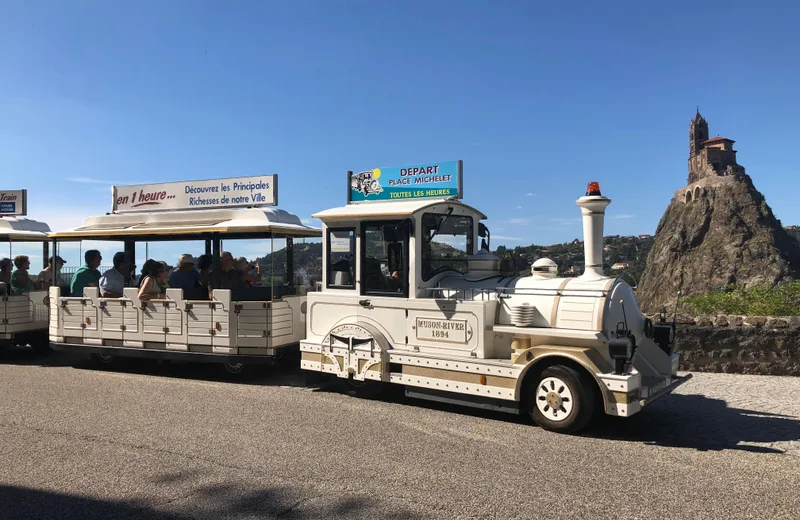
<point x="175" y="442"/>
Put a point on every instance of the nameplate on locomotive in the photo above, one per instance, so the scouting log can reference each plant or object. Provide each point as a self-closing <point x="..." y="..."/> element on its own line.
<point x="435" y="329"/>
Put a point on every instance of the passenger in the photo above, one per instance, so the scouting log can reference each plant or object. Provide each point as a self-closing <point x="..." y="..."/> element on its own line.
<point x="165" y="284"/>
<point x="245" y="268"/>
<point x="154" y="282"/>
<point x="146" y="268"/>
<point x="205" y="264"/>
<point x="87" y="275"/>
<point x="5" y="271"/>
<point x="45" y="278"/>
<point x="113" y="281"/>
<point x="21" y="282"/>
<point x="303" y="275"/>
<point x="185" y="276"/>
<point x="232" y="278"/>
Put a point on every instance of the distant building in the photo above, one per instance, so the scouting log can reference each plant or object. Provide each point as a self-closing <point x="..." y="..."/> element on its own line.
<point x="645" y="237"/>
<point x="619" y="266"/>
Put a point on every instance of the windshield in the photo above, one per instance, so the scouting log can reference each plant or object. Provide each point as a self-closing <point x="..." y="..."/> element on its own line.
<point x="446" y="244"/>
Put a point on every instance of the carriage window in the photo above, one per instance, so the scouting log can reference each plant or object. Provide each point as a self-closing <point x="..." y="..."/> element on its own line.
<point x="341" y="258"/>
<point x="446" y="243"/>
<point x="384" y="269"/>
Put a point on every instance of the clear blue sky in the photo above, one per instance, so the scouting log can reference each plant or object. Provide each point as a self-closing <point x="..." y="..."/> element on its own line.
<point x="536" y="97"/>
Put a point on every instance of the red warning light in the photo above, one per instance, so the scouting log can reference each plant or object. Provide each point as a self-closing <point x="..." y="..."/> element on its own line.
<point x="593" y="189"/>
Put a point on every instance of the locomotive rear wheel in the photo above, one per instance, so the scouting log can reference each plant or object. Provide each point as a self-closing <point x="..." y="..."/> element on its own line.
<point x="560" y="399"/>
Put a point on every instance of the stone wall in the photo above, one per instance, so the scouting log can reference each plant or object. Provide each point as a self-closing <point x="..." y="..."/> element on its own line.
<point x="739" y="344"/>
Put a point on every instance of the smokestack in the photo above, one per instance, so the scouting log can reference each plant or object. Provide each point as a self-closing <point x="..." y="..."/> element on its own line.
<point x="593" y="207"/>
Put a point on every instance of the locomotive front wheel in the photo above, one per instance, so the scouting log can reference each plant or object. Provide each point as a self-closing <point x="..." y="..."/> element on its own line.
<point x="560" y="399"/>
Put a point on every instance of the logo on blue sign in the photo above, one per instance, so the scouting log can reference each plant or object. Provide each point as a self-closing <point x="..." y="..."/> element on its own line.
<point x="416" y="181"/>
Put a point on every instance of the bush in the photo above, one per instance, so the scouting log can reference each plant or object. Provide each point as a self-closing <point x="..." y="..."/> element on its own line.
<point x="761" y="300"/>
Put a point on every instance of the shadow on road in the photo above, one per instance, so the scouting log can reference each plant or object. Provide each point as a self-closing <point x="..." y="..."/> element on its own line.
<point x="701" y="423"/>
<point x="285" y="372"/>
<point x="216" y="501"/>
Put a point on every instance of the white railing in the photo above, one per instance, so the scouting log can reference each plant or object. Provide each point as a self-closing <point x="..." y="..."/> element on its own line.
<point x="209" y="326"/>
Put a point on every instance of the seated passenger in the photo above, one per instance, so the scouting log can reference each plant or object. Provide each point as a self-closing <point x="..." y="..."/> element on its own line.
<point x="45" y="278"/>
<point x="114" y="280"/>
<point x="21" y="282"/>
<point x="231" y="277"/>
<point x="205" y="264"/>
<point x="246" y="269"/>
<point x="146" y="268"/>
<point x="87" y="275"/>
<point x="185" y="277"/>
<point x="5" y="275"/>
<point x="153" y="285"/>
<point x="165" y="284"/>
<point x="303" y="276"/>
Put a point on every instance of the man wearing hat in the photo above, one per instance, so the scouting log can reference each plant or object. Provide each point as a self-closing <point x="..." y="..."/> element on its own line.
<point x="45" y="278"/>
<point x="185" y="276"/>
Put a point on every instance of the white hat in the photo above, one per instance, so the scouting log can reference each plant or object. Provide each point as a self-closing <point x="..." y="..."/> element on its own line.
<point x="186" y="259"/>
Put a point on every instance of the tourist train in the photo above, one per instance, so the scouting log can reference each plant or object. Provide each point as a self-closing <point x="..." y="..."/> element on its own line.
<point x="23" y="315"/>
<point x="410" y="294"/>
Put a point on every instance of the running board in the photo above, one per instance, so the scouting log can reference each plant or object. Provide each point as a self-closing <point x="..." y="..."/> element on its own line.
<point x="473" y="401"/>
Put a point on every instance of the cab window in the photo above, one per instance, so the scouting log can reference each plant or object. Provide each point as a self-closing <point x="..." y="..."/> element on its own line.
<point x="446" y="243"/>
<point x="341" y="258"/>
<point x="384" y="253"/>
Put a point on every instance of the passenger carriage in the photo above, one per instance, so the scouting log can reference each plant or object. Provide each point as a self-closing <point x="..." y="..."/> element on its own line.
<point x="412" y="296"/>
<point x="235" y="327"/>
<point x="23" y="318"/>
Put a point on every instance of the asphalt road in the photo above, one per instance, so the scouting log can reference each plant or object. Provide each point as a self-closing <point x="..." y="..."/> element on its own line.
<point x="160" y="441"/>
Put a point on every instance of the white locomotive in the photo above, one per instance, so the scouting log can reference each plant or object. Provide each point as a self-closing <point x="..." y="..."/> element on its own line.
<point x="408" y="298"/>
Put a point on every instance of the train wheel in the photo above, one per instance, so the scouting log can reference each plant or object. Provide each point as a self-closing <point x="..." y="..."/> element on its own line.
<point x="561" y="400"/>
<point x="104" y="360"/>
<point x="238" y="371"/>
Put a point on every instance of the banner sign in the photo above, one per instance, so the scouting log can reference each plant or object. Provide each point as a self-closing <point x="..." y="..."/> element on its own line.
<point x="214" y="194"/>
<point x="416" y="181"/>
<point x="14" y="202"/>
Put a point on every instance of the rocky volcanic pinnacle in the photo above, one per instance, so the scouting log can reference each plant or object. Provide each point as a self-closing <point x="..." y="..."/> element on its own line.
<point x="715" y="232"/>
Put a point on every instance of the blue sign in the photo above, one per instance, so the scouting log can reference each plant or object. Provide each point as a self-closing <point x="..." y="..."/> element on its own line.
<point x="415" y="181"/>
<point x="8" y="207"/>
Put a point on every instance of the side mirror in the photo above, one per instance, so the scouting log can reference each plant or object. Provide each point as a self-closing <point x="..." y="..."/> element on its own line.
<point x="484" y="233"/>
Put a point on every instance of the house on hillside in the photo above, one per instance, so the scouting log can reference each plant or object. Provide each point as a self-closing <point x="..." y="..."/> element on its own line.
<point x="619" y="266"/>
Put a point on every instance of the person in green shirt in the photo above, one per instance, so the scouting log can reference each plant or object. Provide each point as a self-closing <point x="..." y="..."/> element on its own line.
<point x="21" y="282"/>
<point x="87" y="275"/>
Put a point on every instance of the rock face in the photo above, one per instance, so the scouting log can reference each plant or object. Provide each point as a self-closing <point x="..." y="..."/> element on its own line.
<point x="717" y="230"/>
